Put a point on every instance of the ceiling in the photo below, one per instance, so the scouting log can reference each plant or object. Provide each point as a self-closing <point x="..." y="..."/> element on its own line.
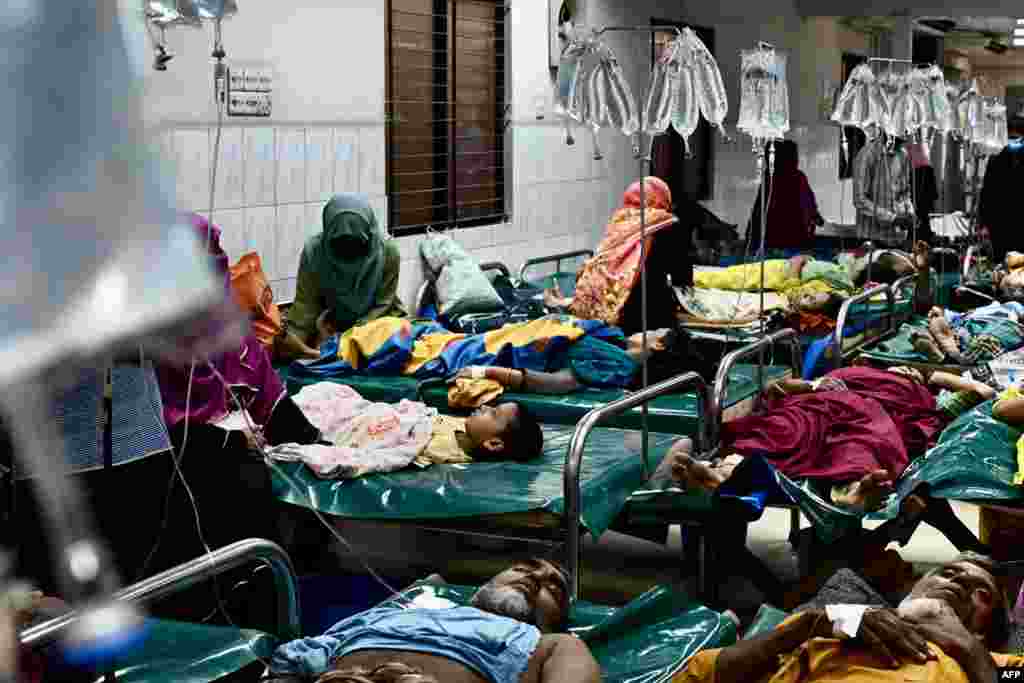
<point x="972" y="33"/>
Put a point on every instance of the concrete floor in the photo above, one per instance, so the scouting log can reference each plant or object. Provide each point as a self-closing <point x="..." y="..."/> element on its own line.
<point x="615" y="569"/>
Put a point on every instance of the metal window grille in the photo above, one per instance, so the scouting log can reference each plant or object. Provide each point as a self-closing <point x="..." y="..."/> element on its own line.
<point x="446" y="113"/>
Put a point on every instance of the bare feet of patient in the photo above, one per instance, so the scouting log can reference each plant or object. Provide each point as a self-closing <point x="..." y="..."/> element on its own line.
<point x="691" y="473"/>
<point x="867" y="493"/>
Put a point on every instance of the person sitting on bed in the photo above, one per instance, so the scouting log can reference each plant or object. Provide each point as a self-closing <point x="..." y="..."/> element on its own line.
<point x="608" y="284"/>
<point x="348" y="268"/>
<point x="514" y="631"/>
<point x="556" y="354"/>
<point x="855" y="430"/>
<point x="951" y="627"/>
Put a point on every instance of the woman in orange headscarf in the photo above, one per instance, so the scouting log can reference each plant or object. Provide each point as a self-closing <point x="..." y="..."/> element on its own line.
<point x="608" y="279"/>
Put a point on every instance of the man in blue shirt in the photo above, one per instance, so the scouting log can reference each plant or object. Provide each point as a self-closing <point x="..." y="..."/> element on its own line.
<point x="513" y="632"/>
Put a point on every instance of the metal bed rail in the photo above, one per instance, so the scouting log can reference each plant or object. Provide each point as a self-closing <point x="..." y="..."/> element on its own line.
<point x="574" y="456"/>
<point x="844" y="314"/>
<point x="787" y="336"/>
<point x="554" y="258"/>
<point x="192" y="572"/>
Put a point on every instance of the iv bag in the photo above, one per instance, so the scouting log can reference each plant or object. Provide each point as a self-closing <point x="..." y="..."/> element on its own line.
<point x="662" y="92"/>
<point x="707" y="80"/>
<point x="686" y="115"/>
<point x="853" y="108"/>
<point x="764" y="94"/>
<point x="620" y="105"/>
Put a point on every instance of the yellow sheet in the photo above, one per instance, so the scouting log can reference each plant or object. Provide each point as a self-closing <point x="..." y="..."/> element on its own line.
<point x="747" y="276"/>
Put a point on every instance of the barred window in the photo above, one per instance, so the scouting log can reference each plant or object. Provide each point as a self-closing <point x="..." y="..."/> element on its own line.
<point x="446" y="111"/>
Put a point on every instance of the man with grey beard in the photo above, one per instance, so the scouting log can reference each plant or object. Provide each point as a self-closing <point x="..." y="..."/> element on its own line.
<point x="513" y="632"/>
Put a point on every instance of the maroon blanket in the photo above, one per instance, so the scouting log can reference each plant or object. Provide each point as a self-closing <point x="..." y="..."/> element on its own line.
<point x="880" y="423"/>
<point x="835" y="435"/>
<point x="910" y="404"/>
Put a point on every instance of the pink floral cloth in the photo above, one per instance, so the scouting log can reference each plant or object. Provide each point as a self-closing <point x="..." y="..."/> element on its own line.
<point x="367" y="437"/>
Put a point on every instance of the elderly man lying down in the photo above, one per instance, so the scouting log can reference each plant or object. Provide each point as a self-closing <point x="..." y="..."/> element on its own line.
<point x="854" y="430"/>
<point x="947" y="629"/>
<point x="514" y="632"/>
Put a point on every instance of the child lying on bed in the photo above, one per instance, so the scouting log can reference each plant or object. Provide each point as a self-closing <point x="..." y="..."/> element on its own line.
<point x="361" y="437"/>
<point x="855" y="429"/>
<point x="556" y="354"/>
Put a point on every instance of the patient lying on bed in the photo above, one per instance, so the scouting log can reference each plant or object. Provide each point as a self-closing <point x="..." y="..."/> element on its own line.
<point x="856" y="430"/>
<point x="950" y="628"/>
<point x="556" y="354"/>
<point x="514" y="632"/>
<point x="361" y="437"/>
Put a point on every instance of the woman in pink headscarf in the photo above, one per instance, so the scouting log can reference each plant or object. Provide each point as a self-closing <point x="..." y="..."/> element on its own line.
<point x="608" y="279"/>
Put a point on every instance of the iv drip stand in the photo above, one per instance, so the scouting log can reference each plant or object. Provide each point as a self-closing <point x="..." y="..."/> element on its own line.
<point x="645" y="166"/>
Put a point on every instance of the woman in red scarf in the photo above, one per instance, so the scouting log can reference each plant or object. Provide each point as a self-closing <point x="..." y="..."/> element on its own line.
<point x="607" y="280"/>
<point x="792" y="207"/>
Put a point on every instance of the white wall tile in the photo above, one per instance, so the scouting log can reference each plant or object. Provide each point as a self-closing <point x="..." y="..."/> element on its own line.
<point x="192" y="149"/>
<point x="291" y="165"/>
<point x="232" y="232"/>
<point x="314" y="219"/>
<point x="284" y="289"/>
<point x="230" y="168"/>
<point x="260" y="167"/>
<point x="371" y="160"/>
<point x="291" y="235"/>
<point x="380" y="208"/>
<point x="319" y="164"/>
<point x="346" y="160"/>
<point x="261" y="237"/>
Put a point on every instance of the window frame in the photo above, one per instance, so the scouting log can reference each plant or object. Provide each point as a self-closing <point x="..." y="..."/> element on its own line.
<point x="445" y="122"/>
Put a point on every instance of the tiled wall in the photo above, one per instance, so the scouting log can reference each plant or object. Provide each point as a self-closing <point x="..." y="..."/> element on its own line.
<point x="272" y="183"/>
<point x="327" y="132"/>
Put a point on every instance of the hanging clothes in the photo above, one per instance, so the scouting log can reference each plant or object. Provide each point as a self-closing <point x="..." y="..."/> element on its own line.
<point x="881" y="190"/>
<point x="998" y="204"/>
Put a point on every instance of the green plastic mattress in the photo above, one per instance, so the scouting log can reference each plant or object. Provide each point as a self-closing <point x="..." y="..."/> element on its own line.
<point x="177" y="652"/>
<point x="974" y="460"/>
<point x="611" y="471"/>
<point x="648" y="640"/>
<point x="899" y="349"/>
<point x="675" y="414"/>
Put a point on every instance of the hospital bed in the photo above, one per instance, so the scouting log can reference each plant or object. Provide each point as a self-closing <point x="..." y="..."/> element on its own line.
<point x="649" y="639"/>
<point x="896" y="347"/>
<point x="974" y="461"/>
<point x="581" y="482"/>
<point x="176" y="651"/>
<point x="566" y="280"/>
<point x="674" y="414"/>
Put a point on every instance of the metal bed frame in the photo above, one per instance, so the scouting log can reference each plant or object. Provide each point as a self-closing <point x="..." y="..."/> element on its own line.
<point x="554" y="258"/>
<point x="839" y="354"/>
<point x="190" y="573"/>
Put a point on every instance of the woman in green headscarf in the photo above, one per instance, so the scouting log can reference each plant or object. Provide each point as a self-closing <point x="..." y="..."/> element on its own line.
<point x="348" y="272"/>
